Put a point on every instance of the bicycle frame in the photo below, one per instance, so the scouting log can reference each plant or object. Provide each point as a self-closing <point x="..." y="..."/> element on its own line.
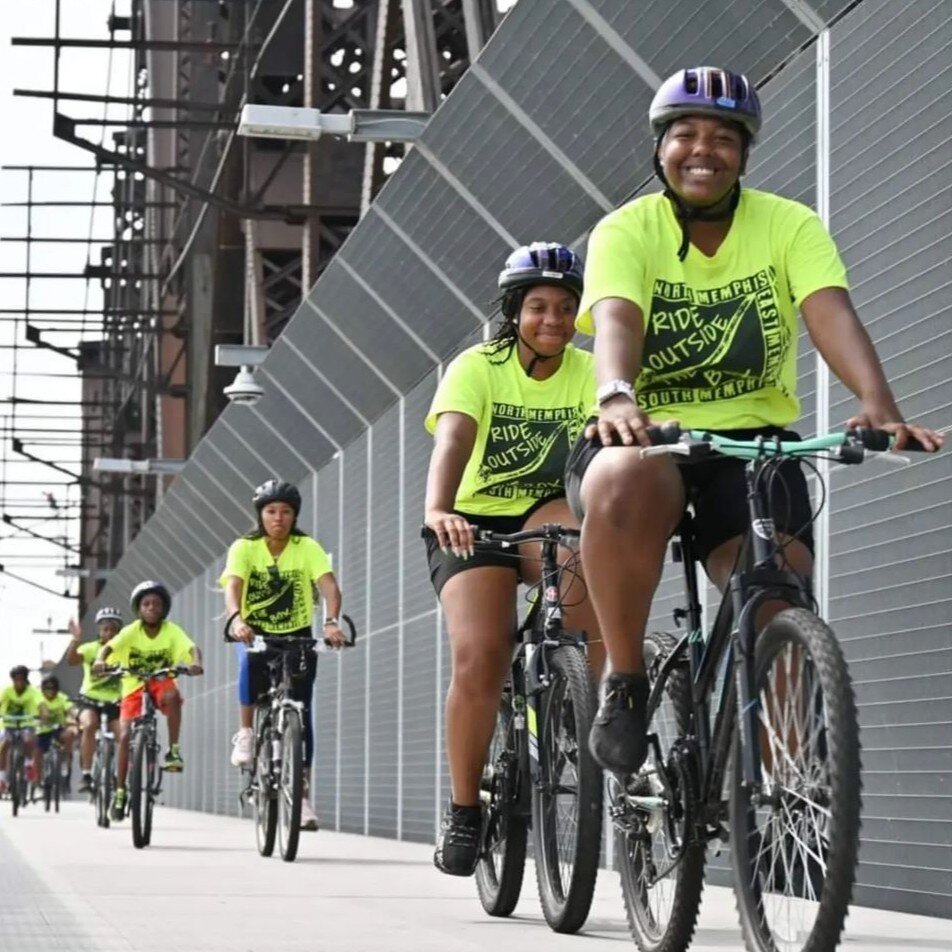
<point x="734" y="632"/>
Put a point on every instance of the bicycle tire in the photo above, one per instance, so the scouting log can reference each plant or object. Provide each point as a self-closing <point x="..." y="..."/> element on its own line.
<point x="566" y="710"/>
<point x="759" y="877"/>
<point x="47" y="781"/>
<point x="138" y="792"/>
<point x="57" y="780"/>
<point x="152" y="769"/>
<point x="104" y="787"/>
<point x="671" y="928"/>
<point x="16" y="779"/>
<point x="264" y="804"/>
<point x="502" y="860"/>
<point x="290" y="787"/>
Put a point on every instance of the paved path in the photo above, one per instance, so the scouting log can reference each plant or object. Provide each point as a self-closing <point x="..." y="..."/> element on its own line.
<point x="66" y="885"/>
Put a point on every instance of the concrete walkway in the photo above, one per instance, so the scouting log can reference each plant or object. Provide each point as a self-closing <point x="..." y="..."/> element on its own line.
<point x="67" y="885"/>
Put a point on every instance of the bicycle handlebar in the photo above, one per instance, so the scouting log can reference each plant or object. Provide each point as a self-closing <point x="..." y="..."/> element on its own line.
<point x="551" y="532"/>
<point x="283" y="641"/>
<point x="169" y="672"/>
<point x="849" y="445"/>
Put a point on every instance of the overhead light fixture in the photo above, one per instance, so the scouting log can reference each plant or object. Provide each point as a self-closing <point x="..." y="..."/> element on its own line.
<point x="358" y="125"/>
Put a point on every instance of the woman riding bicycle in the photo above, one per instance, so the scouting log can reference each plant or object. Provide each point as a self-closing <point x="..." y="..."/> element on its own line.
<point x="692" y="296"/>
<point x="504" y="417"/>
<point x="270" y="582"/>
<point x="95" y="694"/>
<point x="150" y="643"/>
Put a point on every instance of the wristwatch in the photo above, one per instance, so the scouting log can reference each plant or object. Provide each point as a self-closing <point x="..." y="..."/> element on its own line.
<point x="612" y="388"/>
<point x="331" y="621"/>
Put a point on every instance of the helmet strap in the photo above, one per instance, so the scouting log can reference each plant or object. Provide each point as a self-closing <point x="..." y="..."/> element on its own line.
<point x="537" y="358"/>
<point x="685" y="214"/>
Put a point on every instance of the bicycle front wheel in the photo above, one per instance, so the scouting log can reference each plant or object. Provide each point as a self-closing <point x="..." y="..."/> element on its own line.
<point x="795" y="838"/>
<point x="103" y="786"/>
<point x="47" y="780"/>
<point x="57" y="779"/>
<point x="290" y="787"/>
<point x="264" y="802"/>
<point x="139" y="792"/>
<point x="567" y="803"/>
<point x="17" y="787"/>
<point x="658" y="855"/>
<point x="502" y="859"/>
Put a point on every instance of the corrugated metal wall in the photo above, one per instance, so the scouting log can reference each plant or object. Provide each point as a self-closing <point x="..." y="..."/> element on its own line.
<point x="561" y="93"/>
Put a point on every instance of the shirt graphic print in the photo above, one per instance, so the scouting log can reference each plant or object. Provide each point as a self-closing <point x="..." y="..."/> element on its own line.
<point x="275" y="597"/>
<point x="712" y="344"/>
<point x="525" y="450"/>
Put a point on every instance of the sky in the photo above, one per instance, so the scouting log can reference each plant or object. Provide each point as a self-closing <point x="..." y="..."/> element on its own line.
<point x="26" y="139"/>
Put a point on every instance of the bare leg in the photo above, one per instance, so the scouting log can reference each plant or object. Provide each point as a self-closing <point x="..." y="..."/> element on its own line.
<point x="122" y="755"/>
<point x="246" y="715"/>
<point x="632" y="506"/>
<point x="479" y="607"/>
<point x="579" y="613"/>
<point x="89" y="721"/>
<point x="172" y="708"/>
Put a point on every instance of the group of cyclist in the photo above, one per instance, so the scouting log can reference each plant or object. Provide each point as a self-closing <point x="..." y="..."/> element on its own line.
<point x="41" y="717"/>
<point x="692" y="296"/>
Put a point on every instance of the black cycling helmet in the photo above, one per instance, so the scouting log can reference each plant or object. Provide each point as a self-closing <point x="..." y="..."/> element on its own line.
<point x="50" y="681"/>
<point x="109" y="614"/>
<point x="151" y="588"/>
<point x="277" y="490"/>
<point x="19" y="671"/>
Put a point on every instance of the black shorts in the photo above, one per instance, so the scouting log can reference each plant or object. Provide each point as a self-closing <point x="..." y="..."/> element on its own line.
<point x="717" y="489"/>
<point x="443" y="566"/>
<point x="109" y="708"/>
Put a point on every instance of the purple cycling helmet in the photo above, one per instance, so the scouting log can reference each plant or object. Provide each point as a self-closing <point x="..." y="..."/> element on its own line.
<point x="706" y="91"/>
<point x="542" y="262"/>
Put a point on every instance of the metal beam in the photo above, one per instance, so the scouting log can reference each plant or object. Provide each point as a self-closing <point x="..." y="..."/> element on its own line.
<point x="159" y="46"/>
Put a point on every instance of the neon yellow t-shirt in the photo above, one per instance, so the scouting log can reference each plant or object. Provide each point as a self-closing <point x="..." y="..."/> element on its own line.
<point x="58" y="709"/>
<point x="277" y="596"/>
<point x="525" y="427"/>
<point x="133" y="648"/>
<point x="26" y="705"/>
<point x="107" y="688"/>
<point x="721" y="332"/>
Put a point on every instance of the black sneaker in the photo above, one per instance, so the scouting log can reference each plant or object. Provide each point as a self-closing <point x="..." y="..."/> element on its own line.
<point x="618" y="739"/>
<point x="457" y="850"/>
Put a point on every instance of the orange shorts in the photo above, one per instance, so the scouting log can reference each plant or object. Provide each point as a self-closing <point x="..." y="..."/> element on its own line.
<point x="131" y="706"/>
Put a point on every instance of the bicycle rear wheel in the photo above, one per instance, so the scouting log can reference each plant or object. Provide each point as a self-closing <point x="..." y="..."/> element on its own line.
<point x="660" y="861"/>
<point x="567" y="804"/>
<point x="794" y="840"/>
<point x="139" y="792"/>
<point x="264" y="801"/>
<point x="502" y="859"/>
<point x="290" y="787"/>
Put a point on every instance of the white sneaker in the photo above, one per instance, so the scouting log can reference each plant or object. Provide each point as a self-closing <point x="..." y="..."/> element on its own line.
<point x="309" y="819"/>
<point x="243" y="751"/>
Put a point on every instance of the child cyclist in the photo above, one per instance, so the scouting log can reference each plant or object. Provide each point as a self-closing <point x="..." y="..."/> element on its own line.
<point x="150" y="643"/>
<point x="20" y="706"/>
<point x="95" y="694"/>
<point x="56" y="722"/>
